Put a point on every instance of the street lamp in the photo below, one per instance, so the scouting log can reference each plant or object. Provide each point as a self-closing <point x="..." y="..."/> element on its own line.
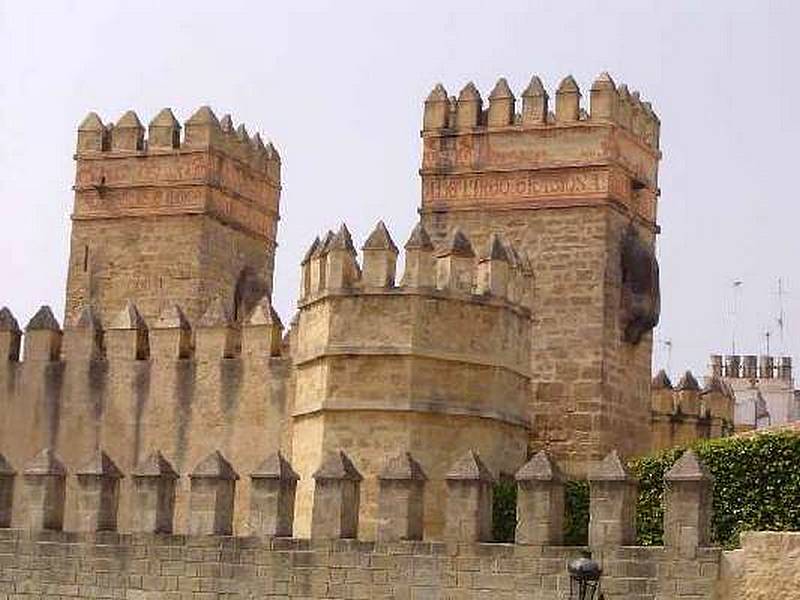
<point x="584" y="578"/>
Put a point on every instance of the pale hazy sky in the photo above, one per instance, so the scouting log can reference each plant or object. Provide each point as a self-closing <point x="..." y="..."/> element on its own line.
<point x="339" y="87"/>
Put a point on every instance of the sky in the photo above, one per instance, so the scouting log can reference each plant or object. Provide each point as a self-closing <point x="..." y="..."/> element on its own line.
<point x="339" y="86"/>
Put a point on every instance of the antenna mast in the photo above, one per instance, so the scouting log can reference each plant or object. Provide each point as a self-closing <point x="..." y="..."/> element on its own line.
<point x="737" y="284"/>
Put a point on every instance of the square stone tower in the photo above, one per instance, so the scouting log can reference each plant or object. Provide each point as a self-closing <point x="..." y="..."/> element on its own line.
<point x="576" y="192"/>
<point x="163" y="221"/>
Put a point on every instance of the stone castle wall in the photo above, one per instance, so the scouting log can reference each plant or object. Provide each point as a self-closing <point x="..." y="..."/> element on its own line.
<point x="206" y="565"/>
<point x="566" y="188"/>
<point x="685" y="413"/>
<point x="74" y="403"/>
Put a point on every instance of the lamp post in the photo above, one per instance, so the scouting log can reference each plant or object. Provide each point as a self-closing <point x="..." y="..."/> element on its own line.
<point x="584" y="578"/>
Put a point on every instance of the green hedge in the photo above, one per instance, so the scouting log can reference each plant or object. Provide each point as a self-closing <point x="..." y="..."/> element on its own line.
<point x="757" y="487"/>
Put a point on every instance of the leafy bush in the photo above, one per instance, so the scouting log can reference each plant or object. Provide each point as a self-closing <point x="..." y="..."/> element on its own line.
<point x="757" y="487"/>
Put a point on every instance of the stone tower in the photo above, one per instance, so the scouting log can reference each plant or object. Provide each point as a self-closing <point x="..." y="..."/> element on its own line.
<point x="167" y="221"/>
<point x="576" y="192"/>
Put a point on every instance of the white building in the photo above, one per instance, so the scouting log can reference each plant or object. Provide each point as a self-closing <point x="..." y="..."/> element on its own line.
<point x="763" y="387"/>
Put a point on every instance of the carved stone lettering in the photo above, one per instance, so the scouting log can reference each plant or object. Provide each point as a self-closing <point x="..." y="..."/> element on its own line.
<point x="515" y="185"/>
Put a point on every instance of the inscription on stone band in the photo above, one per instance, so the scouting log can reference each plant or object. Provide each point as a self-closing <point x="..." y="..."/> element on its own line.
<point x="515" y="185"/>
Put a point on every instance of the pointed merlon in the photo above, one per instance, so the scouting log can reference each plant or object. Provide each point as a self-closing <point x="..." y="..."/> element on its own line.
<point x="258" y="144"/>
<point x="203" y="116"/>
<point x="7" y="321"/>
<point x="216" y="315"/>
<point x="604" y="82"/>
<point x="402" y="467"/>
<point x="130" y="120"/>
<point x="6" y="470"/>
<point x="324" y="245"/>
<point x="540" y="468"/>
<point x="128" y="318"/>
<point x="535" y="88"/>
<point x="458" y="245"/>
<point x="469" y="467"/>
<point x="45" y="463"/>
<point x="42" y="320"/>
<point x="419" y="239"/>
<point x="100" y="465"/>
<point x="438" y="94"/>
<point x="715" y="385"/>
<point x="265" y="314"/>
<point x="272" y="152"/>
<point x="155" y="465"/>
<point x="469" y="93"/>
<point x="311" y="250"/>
<point x="380" y="239"/>
<point x="91" y="122"/>
<point x="337" y="466"/>
<point x="501" y="90"/>
<point x="497" y="250"/>
<point x="226" y="124"/>
<point x="568" y="85"/>
<point x="688" y="383"/>
<point x="611" y="468"/>
<point x="275" y="466"/>
<point x="241" y="134"/>
<point x="688" y="468"/>
<point x="342" y="240"/>
<point x="165" y="118"/>
<point x="661" y="381"/>
<point x="88" y="319"/>
<point x="214" y="466"/>
<point x="172" y="317"/>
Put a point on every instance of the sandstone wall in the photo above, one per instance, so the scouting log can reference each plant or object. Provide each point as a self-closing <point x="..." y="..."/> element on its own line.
<point x="765" y="568"/>
<point x="186" y="408"/>
<point x="565" y="188"/>
<point x="589" y="387"/>
<point x="165" y="220"/>
<point x="426" y="368"/>
<point x="209" y="568"/>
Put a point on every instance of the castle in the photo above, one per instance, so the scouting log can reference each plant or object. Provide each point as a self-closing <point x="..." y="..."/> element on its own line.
<point x="521" y="320"/>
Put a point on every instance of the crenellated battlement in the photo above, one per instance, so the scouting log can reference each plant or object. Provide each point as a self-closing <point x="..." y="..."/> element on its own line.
<point x="202" y="131"/>
<point x="128" y="337"/>
<point x="497" y="275"/>
<point x="537" y="154"/>
<point x="609" y="104"/>
<point x="687" y="411"/>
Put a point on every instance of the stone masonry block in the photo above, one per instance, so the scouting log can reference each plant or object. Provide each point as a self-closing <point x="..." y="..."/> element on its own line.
<point x="336" y="502"/>
<point x="688" y="505"/>
<point x="211" y="498"/>
<point x="272" y="493"/>
<point x="401" y="499"/>
<point x="98" y="493"/>
<point x="45" y="492"/>
<point x="468" y="516"/>
<point x="7" y="475"/>
<point x="612" y="503"/>
<point x="154" y="495"/>
<point x="540" y="502"/>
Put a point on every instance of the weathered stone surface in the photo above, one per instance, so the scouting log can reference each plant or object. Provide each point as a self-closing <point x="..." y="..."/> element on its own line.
<point x="98" y="493"/>
<point x="274" y="484"/>
<point x="45" y="492"/>
<point x="154" y="482"/>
